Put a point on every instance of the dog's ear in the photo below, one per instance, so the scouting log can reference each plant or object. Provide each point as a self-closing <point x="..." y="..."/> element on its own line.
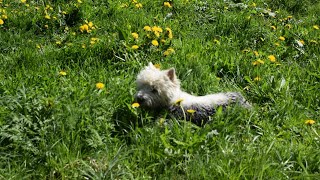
<point x="171" y="73"/>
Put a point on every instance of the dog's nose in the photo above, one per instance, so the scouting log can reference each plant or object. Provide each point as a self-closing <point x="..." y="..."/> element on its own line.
<point x="140" y="98"/>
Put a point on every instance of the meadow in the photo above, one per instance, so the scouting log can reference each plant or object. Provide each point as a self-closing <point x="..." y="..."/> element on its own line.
<point x="67" y="82"/>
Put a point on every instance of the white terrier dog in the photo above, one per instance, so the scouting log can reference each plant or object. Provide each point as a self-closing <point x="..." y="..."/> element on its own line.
<point x="161" y="90"/>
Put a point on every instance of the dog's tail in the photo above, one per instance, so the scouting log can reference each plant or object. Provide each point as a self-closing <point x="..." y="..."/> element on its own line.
<point x="236" y="97"/>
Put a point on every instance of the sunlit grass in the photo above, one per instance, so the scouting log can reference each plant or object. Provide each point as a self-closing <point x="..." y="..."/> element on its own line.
<point x="67" y="81"/>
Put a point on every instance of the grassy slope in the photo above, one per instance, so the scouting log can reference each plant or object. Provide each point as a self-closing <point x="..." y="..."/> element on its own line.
<point x="55" y="126"/>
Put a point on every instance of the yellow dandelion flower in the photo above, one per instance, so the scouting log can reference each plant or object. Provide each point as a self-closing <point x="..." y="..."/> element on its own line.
<point x="316" y="27"/>
<point x="288" y="26"/>
<point x="62" y="73"/>
<point x="47" y="16"/>
<point x="276" y="44"/>
<point x="169" y="33"/>
<point x="158" y="66"/>
<point x="302" y="41"/>
<point x="23" y="1"/>
<point x="1" y="22"/>
<point x="257" y="78"/>
<point x="139" y="5"/>
<point x="282" y="38"/>
<point x="135" y="105"/>
<point x="99" y="85"/>
<point x="272" y="58"/>
<point x="4" y="16"/>
<point x="84" y="27"/>
<point x="191" y="111"/>
<point x="178" y="101"/>
<point x="147" y="28"/>
<point x="171" y="50"/>
<point x="135" y="47"/>
<point x="310" y="122"/>
<point x="166" y="53"/>
<point x="155" y="42"/>
<point x="157" y="29"/>
<point x="157" y="34"/>
<point x="135" y="35"/>
<point x="273" y="27"/>
<point x="90" y="24"/>
<point x="167" y="4"/>
<point x="256" y="53"/>
<point x="258" y="62"/>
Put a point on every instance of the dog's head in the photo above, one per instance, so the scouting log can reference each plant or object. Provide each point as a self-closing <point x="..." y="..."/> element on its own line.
<point x="156" y="88"/>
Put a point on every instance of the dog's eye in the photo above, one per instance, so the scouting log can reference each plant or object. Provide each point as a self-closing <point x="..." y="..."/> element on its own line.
<point x="154" y="89"/>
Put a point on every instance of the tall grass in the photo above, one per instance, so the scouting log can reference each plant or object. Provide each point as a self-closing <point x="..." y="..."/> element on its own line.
<point x="55" y="123"/>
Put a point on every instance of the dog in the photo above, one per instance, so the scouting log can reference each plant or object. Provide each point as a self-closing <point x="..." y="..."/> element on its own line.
<point x="160" y="89"/>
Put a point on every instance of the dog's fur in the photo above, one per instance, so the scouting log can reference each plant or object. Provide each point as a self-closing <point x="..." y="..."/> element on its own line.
<point x="161" y="90"/>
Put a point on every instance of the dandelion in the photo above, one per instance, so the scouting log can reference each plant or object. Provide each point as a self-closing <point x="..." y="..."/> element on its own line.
<point x="147" y="28"/>
<point x="23" y="1"/>
<point x="99" y="85"/>
<point x="273" y="27"/>
<point x="258" y="62"/>
<point x="157" y="29"/>
<point x="282" y="38"/>
<point x="276" y="44"/>
<point x="191" y="111"/>
<point x="135" y="105"/>
<point x="90" y="24"/>
<point x="135" y="35"/>
<point x="272" y="58"/>
<point x="84" y="27"/>
<point x="288" y="26"/>
<point x="316" y="27"/>
<point x="4" y="16"/>
<point x="62" y="73"/>
<point x="257" y="78"/>
<point x="155" y="43"/>
<point x="138" y="5"/>
<point x="158" y="66"/>
<point x="169" y="33"/>
<point x="167" y="4"/>
<point x="168" y="51"/>
<point x="256" y="53"/>
<point x="310" y="122"/>
<point x="1" y="22"/>
<point x="178" y="101"/>
<point x="47" y="17"/>
<point x="135" y="47"/>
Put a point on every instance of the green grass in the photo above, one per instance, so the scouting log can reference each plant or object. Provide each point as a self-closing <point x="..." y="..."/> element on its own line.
<point x="62" y="127"/>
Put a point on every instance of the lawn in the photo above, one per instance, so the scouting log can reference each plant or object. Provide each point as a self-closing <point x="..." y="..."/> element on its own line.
<point x="67" y="85"/>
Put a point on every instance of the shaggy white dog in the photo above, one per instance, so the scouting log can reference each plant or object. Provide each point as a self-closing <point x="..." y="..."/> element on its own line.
<point x="161" y="90"/>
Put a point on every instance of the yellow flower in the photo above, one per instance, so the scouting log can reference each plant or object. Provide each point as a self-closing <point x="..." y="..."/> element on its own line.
<point x="135" y="35"/>
<point x="157" y="66"/>
<point x="62" y="73"/>
<point x="167" y="4"/>
<point x="272" y="58"/>
<point x="273" y="27"/>
<point x="23" y="1"/>
<point x="155" y="42"/>
<point x="276" y="44"/>
<point x="289" y="17"/>
<point x="256" y="53"/>
<point x="139" y="5"/>
<point x="84" y="27"/>
<point x="282" y="38"/>
<point x="191" y="111"/>
<point x="90" y="24"/>
<point x="1" y="22"/>
<point x="99" y="85"/>
<point x="47" y="16"/>
<point x="169" y="33"/>
<point x="316" y="27"/>
<point x="258" y="62"/>
<point x="288" y="26"/>
<point x="302" y="41"/>
<point x="168" y="51"/>
<point x="156" y="29"/>
<point x="147" y="28"/>
<point x="135" y="47"/>
<point x="46" y="26"/>
<point x="135" y="105"/>
<point x="178" y="101"/>
<point x="4" y="16"/>
<point x="257" y="78"/>
<point x="310" y="122"/>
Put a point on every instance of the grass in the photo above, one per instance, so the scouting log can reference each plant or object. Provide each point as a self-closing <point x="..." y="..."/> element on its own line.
<point x="56" y="124"/>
